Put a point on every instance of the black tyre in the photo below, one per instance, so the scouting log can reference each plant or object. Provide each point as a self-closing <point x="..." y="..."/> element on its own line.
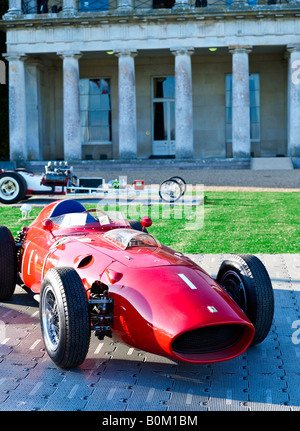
<point x="181" y="182"/>
<point x="170" y="191"/>
<point x="8" y="264"/>
<point x="135" y="224"/>
<point x="65" y="317"/>
<point x="13" y="187"/>
<point x="247" y="281"/>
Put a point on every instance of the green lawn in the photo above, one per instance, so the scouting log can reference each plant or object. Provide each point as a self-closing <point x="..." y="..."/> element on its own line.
<point x="234" y="222"/>
<point x="240" y="222"/>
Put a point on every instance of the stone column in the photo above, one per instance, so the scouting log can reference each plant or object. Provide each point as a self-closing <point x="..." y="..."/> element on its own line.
<point x="14" y="9"/>
<point x="181" y="4"/>
<point x="239" y="3"/>
<point x="69" y="7"/>
<point x="33" y="108"/>
<point x="293" y="101"/>
<point x="127" y="105"/>
<point x="125" y="5"/>
<point x="71" y="105"/>
<point x="184" y="130"/>
<point x="17" y="107"/>
<point x="241" y="145"/>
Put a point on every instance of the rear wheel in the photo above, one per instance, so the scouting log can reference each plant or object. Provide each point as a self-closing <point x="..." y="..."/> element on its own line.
<point x="65" y="318"/>
<point x="8" y="264"/>
<point x="246" y="280"/>
<point x="170" y="190"/>
<point x="12" y="187"/>
<point x="181" y="182"/>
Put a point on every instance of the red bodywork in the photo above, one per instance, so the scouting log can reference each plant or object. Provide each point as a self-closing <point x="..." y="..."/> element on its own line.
<point x="163" y="302"/>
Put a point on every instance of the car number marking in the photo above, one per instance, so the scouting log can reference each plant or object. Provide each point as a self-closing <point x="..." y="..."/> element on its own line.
<point x="29" y="262"/>
<point x="187" y="281"/>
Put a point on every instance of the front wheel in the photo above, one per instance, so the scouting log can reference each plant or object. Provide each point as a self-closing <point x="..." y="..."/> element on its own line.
<point x="247" y="281"/>
<point x="65" y="318"/>
<point x="8" y="264"/>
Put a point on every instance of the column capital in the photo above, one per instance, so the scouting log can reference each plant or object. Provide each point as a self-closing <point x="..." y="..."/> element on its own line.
<point x="241" y="49"/>
<point x="14" y="56"/>
<point x="70" y="54"/>
<point x="182" y="50"/>
<point x="293" y="47"/>
<point x="125" y="52"/>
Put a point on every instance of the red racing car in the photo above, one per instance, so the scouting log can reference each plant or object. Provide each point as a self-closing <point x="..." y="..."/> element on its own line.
<point x="93" y="271"/>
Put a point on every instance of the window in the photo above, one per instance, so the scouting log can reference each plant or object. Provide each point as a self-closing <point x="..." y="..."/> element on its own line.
<point x="93" y="5"/>
<point x="163" y="4"/>
<point x="95" y="110"/>
<point x="254" y="95"/>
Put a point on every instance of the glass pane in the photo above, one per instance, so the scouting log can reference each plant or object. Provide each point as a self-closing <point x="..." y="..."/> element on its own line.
<point x="94" y="102"/>
<point x="255" y="131"/>
<point x="84" y="86"/>
<point x="93" y="5"/>
<point x="254" y="81"/>
<point x="99" y="134"/>
<point x="94" y="119"/>
<point x="254" y="115"/>
<point x="172" y="121"/>
<point x="228" y="97"/>
<point x="83" y="118"/>
<point x="104" y="118"/>
<point x="254" y="98"/>
<point x="157" y="4"/>
<point x="228" y="132"/>
<point x="84" y="134"/>
<point x="160" y="121"/>
<point x="95" y="115"/>
<point x="228" y="115"/>
<point x="228" y="82"/>
<point x="164" y="87"/>
<point x="104" y="101"/>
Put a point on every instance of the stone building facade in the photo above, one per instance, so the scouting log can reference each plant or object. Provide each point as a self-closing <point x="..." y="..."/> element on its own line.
<point x="139" y="79"/>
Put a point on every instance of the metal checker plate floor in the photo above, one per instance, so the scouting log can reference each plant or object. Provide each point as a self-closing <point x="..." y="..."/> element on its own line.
<point x="115" y="377"/>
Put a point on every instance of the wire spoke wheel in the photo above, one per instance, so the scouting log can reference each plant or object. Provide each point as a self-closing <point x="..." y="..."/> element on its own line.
<point x="170" y="190"/>
<point x="65" y="317"/>
<point x="50" y="318"/>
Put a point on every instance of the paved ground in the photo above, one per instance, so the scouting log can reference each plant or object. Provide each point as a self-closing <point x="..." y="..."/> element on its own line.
<point x="235" y="177"/>
<point x="115" y="377"/>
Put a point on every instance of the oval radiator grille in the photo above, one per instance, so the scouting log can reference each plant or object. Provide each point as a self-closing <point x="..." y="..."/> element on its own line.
<point x="208" y="339"/>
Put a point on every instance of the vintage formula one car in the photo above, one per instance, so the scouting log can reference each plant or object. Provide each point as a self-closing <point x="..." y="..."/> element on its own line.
<point x="94" y="271"/>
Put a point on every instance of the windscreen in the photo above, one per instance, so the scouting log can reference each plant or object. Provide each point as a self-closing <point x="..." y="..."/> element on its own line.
<point x="126" y="238"/>
<point x="100" y="218"/>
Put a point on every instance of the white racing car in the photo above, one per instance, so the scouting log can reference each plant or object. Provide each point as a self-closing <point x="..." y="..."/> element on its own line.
<point x="58" y="179"/>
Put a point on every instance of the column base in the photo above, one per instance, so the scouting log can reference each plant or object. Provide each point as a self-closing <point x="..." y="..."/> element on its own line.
<point x="12" y="14"/>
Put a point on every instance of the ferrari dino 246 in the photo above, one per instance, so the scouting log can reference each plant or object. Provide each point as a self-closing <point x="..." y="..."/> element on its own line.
<point x="96" y="272"/>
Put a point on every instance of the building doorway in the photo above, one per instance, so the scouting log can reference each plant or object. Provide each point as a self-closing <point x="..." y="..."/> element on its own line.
<point x="163" y="103"/>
